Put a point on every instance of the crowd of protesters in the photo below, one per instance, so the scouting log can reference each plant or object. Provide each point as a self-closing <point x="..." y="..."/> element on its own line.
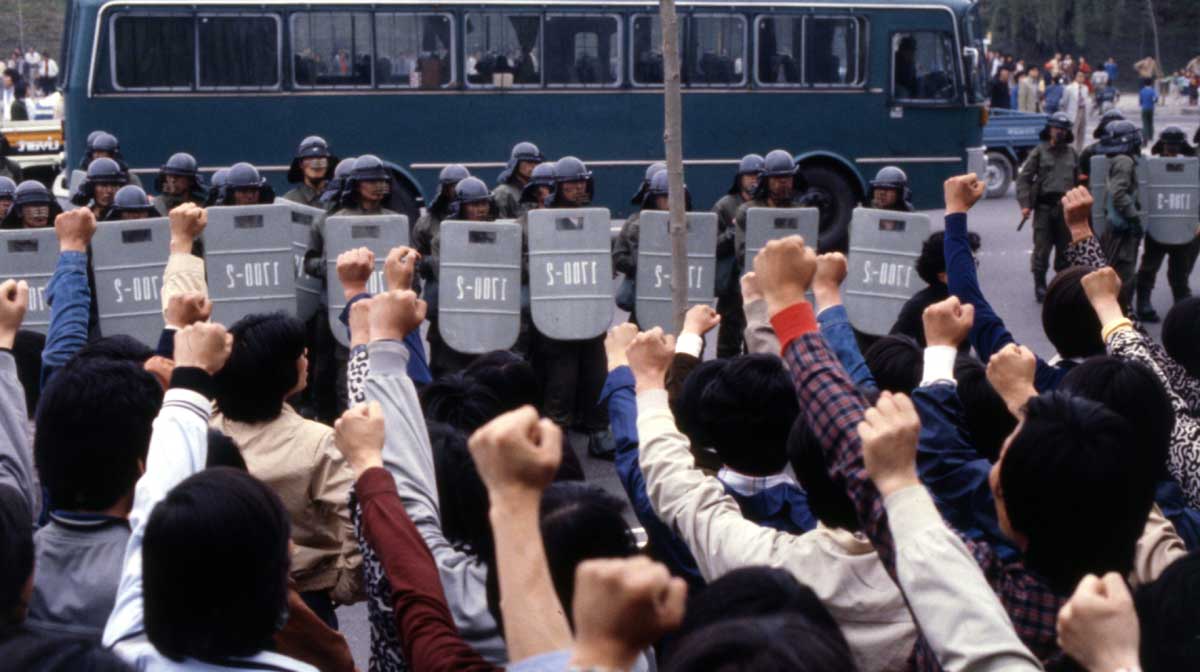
<point x="946" y="499"/>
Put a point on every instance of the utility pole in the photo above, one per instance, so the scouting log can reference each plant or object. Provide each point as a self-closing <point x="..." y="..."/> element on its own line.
<point x="673" y="140"/>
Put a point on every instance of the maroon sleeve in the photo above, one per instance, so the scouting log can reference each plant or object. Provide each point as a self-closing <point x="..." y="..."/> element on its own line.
<point x="423" y="622"/>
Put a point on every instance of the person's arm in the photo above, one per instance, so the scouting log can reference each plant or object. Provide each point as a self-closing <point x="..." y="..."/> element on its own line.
<point x="16" y="450"/>
<point x="329" y="486"/>
<point x="68" y="293"/>
<point x="314" y="254"/>
<point x="1085" y="249"/>
<point x="834" y="321"/>
<point x="759" y="334"/>
<point x="1122" y="188"/>
<point x="184" y="271"/>
<point x="1025" y="179"/>
<point x="308" y="639"/>
<point x="178" y="449"/>
<point x="408" y="456"/>
<point x="689" y="347"/>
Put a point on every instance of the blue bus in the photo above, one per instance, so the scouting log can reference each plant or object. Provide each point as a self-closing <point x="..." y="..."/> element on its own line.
<point x="846" y="86"/>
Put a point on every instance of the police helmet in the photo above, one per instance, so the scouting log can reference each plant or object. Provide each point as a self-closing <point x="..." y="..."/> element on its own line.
<point x="1058" y="120"/>
<point x="369" y="167"/>
<point x="91" y="138"/>
<point x="30" y="192"/>
<point x="314" y="146"/>
<point x="337" y="184"/>
<point x="780" y="163"/>
<point x="216" y="194"/>
<point x="543" y="176"/>
<point x="571" y="169"/>
<point x="102" y="142"/>
<point x="448" y="177"/>
<point x="130" y="198"/>
<point x="1106" y="119"/>
<point x="660" y="185"/>
<point x="1173" y="135"/>
<point x="522" y="151"/>
<point x="471" y="190"/>
<point x="892" y="177"/>
<point x="101" y="171"/>
<point x="453" y="174"/>
<point x="181" y="164"/>
<point x="243" y="175"/>
<point x="650" y="171"/>
<point x="751" y="164"/>
<point x="8" y="188"/>
<point x="1120" y="137"/>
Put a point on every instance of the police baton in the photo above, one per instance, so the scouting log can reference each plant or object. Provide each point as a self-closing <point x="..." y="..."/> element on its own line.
<point x="1022" y="224"/>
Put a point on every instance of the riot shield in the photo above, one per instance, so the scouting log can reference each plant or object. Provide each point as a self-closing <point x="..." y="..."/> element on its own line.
<point x="884" y="246"/>
<point x="30" y="255"/>
<point x="766" y="224"/>
<point x="379" y="233"/>
<point x="479" y="288"/>
<point x="74" y="180"/>
<point x="308" y="288"/>
<point x="249" y="261"/>
<point x="1172" y="198"/>
<point x="654" y="307"/>
<point x="128" y="259"/>
<point x="570" y="272"/>
<point x="1098" y="185"/>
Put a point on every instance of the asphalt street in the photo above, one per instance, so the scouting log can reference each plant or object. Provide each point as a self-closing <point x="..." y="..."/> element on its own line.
<point x="1007" y="282"/>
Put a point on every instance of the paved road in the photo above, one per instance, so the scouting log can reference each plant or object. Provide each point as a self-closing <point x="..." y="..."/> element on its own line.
<point x="1007" y="281"/>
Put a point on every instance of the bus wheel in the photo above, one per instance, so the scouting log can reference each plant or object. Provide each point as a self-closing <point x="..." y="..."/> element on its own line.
<point x="405" y="203"/>
<point x="999" y="174"/>
<point x="835" y="218"/>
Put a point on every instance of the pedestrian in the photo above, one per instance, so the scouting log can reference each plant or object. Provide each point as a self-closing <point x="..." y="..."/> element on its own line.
<point x="1147" y="99"/>
<point x="1110" y="68"/>
<point x="1027" y="91"/>
<point x="1048" y="172"/>
<point x="1000" y="96"/>
<point x="1075" y="106"/>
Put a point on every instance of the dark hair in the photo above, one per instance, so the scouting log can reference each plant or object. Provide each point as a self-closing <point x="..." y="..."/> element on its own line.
<point x="1068" y="318"/>
<point x="743" y="407"/>
<point x="224" y="452"/>
<point x="460" y="401"/>
<point x="986" y="415"/>
<point x="1067" y="487"/>
<point x="783" y="643"/>
<point x="1131" y="390"/>
<point x="581" y="521"/>
<point x="933" y="256"/>
<point x="462" y="496"/>
<point x="512" y="379"/>
<point x="754" y="592"/>
<point x="215" y="567"/>
<point x="1181" y="334"/>
<point x="1168" y="611"/>
<point x="16" y="551"/>
<point x="262" y="368"/>
<point x="121" y="348"/>
<point x="895" y="362"/>
<point x="827" y="500"/>
<point x="93" y="426"/>
<point x="27" y="352"/>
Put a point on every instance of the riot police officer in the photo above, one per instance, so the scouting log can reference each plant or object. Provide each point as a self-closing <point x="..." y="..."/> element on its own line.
<point x="781" y="185"/>
<point x="1181" y="259"/>
<point x="8" y="190"/>
<point x="521" y="162"/>
<point x="366" y="187"/>
<point x="216" y="192"/>
<point x="537" y="190"/>
<point x="245" y="186"/>
<point x="1085" y="157"/>
<point x="331" y="196"/>
<point x="33" y="207"/>
<point x="625" y="249"/>
<point x="729" y="292"/>
<point x="102" y="145"/>
<point x="104" y="178"/>
<point x="472" y="202"/>
<point x="311" y="169"/>
<point x="1049" y="171"/>
<point x="656" y="197"/>
<point x="178" y="182"/>
<point x="130" y="203"/>
<point x="889" y="190"/>
<point x="1122" y="143"/>
<point x="426" y="232"/>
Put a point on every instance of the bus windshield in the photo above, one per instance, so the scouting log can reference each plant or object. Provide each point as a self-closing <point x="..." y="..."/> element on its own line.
<point x="973" y="64"/>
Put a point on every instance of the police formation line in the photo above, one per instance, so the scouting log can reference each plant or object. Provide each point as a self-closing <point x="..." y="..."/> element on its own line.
<point x="1153" y="198"/>
<point x="526" y="266"/>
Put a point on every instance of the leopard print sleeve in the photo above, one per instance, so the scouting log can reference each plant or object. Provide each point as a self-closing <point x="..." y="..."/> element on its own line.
<point x="356" y="375"/>
<point x="386" y="654"/>
<point x="1086" y="252"/>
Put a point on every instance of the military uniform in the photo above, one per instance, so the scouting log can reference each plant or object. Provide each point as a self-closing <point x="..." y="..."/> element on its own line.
<point x="507" y="197"/>
<point x="304" y="195"/>
<point x="1124" y="234"/>
<point x="728" y="280"/>
<point x="625" y="260"/>
<point x="1049" y="172"/>
<point x="165" y="203"/>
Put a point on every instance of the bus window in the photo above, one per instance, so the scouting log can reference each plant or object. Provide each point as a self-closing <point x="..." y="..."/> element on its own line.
<point x="779" y="43"/>
<point x="832" y="51"/>
<point x="331" y="49"/>
<point x="716" y="51"/>
<point x="923" y="67"/>
<point x="239" y="51"/>
<point x="503" y="49"/>
<point x="582" y="50"/>
<point x="170" y="38"/>
<point x="414" y="50"/>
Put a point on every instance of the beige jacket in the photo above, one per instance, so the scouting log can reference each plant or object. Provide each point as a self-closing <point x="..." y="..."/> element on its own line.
<point x="297" y="459"/>
<point x="840" y="567"/>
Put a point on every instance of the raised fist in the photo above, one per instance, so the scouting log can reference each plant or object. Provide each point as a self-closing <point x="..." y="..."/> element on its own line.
<point x="203" y="345"/>
<point x="399" y="267"/>
<point x="785" y="270"/>
<point x="75" y="229"/>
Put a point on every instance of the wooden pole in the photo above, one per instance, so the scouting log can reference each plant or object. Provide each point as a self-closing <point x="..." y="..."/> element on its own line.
<point x="673" y="140"/>
<point x="1157" y="54"/>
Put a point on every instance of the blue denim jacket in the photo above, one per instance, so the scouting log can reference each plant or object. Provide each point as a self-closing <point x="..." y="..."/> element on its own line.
<point x="70" y="299"/>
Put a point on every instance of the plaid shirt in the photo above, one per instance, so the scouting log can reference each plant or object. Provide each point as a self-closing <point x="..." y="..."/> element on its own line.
<point x="833" y="407"/>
